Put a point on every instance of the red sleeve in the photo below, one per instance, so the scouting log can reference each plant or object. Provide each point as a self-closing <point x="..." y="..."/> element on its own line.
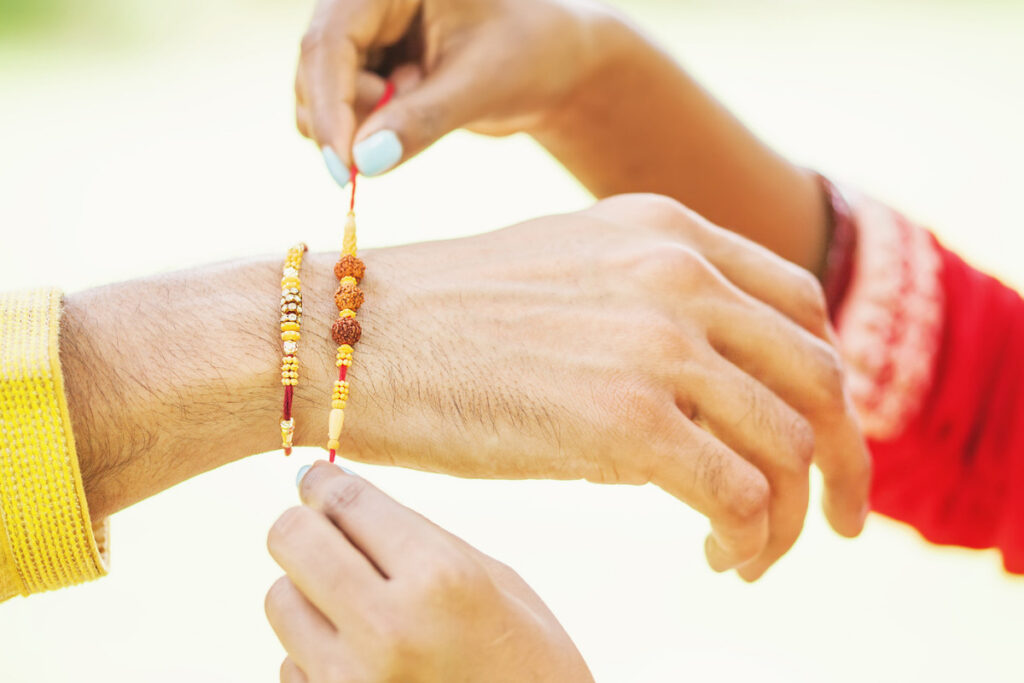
<point x="934" y="351"/>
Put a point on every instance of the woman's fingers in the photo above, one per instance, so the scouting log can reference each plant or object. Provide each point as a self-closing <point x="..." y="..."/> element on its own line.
<point x="710" y="477"/>
<point x="322" y="563"/>
<point x="806" y="373"/>
<point x="424" y="108"/>
<point x="291" y="673"/>
<point x="303" y="631"/>
<point x="333" y="54"/>
<point x="391" y="535"/>
<point x="761" y="428"/>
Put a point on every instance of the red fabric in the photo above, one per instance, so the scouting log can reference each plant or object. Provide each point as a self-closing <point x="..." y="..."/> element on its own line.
<point x="956" y="472"/>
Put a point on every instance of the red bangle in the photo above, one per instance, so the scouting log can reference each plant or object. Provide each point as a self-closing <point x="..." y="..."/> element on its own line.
<point x="842" y="247"/>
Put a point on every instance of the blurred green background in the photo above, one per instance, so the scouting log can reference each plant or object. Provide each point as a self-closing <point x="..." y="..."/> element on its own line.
<point x="142" y="136"/>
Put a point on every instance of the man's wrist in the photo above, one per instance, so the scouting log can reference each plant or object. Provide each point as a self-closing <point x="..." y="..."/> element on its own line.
<point x="171" y="376"/>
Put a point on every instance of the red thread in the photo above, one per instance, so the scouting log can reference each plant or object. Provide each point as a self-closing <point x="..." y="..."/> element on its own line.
<point x="389" y="91"/>
<point x="288" y="391"/>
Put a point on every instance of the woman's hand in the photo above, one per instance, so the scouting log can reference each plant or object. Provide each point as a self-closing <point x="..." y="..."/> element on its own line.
<point x="494" y="66"/>
<point x="375" y="592"/>
<point x="632" y="342"/>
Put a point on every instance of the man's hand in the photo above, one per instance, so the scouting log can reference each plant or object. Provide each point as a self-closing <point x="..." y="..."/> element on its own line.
<point x="375" y="592"/>
<point x="494" y="66"/>
<point x="629" y="343"/>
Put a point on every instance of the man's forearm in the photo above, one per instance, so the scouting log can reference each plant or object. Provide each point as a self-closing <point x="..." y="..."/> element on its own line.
<point x="174" y="375"/>
<point x="642" y="124"/>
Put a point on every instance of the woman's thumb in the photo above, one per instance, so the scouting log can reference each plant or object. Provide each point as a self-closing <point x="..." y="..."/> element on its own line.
<point x="422" y="110"/>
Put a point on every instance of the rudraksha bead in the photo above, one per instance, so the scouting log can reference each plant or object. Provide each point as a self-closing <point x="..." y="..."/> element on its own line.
<point x="346" y="331"/>
<point x="348" y="296"/>
<point x="350" y="266"/>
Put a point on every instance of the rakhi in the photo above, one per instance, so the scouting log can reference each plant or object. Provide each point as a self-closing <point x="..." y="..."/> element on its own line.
<point x="346" y="331"/>
<point x="291" y="324"/>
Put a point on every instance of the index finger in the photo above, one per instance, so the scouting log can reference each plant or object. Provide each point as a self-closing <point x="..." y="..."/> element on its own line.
<point x="328" y="64"/>
<point x="389" y="534"/>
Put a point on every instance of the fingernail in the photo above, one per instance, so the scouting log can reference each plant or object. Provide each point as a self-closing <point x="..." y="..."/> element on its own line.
<point x="301" y="474"/>
<point x="377" y="153"/>
<point x="334" y="164"/>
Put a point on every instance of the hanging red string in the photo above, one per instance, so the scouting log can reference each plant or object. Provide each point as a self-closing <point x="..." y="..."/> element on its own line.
<point x="389" y="91"/>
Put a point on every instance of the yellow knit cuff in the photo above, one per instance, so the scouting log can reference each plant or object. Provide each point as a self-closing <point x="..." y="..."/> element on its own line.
<point x="47" y="540"/>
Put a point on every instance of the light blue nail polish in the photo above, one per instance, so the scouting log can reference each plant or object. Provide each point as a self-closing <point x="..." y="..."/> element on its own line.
<point x="377" y="153"/>
<point x="301" y="474"/>
<point x="338" y="170"/>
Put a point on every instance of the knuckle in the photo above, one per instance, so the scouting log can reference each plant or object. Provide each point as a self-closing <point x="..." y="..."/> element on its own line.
<point x="800" y="437"/>
<point x="829" y="380"/>
<point x="343" y="494"/>
<point x="275" y="597"/>
<point x="671" y="265"/>
<point x="660" y="210"/>
<point x="312" y="39"/>
<point x="455" y="574"/>
<point x="331" y="670"/>
<point x="639" y="406"/>
<point x="290" y="521"/>
<point x="813" y="304"/>
<point x="749" y="501"/>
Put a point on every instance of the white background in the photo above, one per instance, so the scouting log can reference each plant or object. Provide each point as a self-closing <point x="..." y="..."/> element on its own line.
<point x="162" y="136"/>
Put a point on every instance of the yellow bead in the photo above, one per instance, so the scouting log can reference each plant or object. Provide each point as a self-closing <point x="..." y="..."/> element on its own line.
<point x="335" y="422"/>
<point x="338" y="404"/>
<point x="349" y="240"/>
<point x="333" y="445"/>
<point x="346" y="313"/>
<point x="349" y="280"/>
<point x="290" y="283"/>
<point x="290" y="326"/>
<point x="291" y="335"/>
<point x="345" y="348"/>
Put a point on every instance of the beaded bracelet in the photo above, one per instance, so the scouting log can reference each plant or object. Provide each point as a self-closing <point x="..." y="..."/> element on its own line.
<point x="346" y="330"/>
<point x="291" y="323"/>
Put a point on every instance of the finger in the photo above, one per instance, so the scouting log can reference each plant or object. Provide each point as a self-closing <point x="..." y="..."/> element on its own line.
<point x="301" y="106"/>
<point x="302" y="121"/>
<point x="291" y="673"/>
<point x="326" y="567"/>
<point x="339" y="38"/>
<point x="394" y="537"/>
<point x="807" y="374"/>
<point x="707" y="475"/>
<point x="764" y="275"/>
<point x="420" y="113"/>
<point x="756" y="424"/>
<point x="303" y="630"/>
<point x="326" y="75"/>
<point x="370" y="88"/>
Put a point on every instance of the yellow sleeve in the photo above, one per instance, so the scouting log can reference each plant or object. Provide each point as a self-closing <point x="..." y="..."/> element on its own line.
<point x="47" y="540"/>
